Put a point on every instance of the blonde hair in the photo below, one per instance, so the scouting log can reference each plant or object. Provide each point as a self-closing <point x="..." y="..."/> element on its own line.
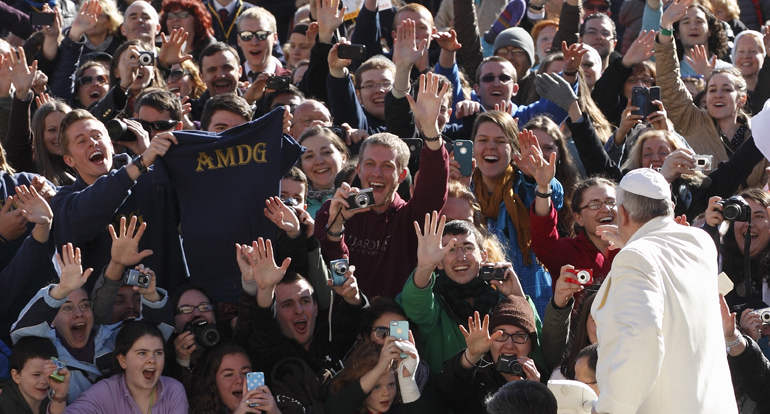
<point x="730" y="6"/>
<point x="258" y="13"/>
<point x="634" y="160"/>
<point x="113" y="15"/>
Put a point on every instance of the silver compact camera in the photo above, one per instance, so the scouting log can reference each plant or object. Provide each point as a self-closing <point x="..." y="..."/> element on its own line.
<point x="361" y="199"/>
<point x="146" y="58"/>
<point x="137" y="278"/>
<point x="703" y="163"/>
<point x="764" y="315"/>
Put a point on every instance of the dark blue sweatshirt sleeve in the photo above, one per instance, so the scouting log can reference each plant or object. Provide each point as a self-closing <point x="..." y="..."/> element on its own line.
<point x="29" y="270"/>
<point x="62" y="82"/>
<point x="368" y="32"/>
<point x="343" y="102"/>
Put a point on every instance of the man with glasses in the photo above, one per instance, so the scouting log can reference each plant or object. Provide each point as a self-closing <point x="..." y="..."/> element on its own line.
<point x="445" y="289"/>
<point x="516" y="45"/>
<point x="256" y="38"/>
<point x="598" y="31"/>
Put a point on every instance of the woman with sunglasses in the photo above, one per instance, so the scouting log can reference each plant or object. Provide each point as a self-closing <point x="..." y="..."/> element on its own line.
<point x="191" y="16"/>
<point x="185" y="80"/>
<point x="92" y="82"/>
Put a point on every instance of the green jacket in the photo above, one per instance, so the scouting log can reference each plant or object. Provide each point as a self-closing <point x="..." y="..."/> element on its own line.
<point x="440" y="337"/>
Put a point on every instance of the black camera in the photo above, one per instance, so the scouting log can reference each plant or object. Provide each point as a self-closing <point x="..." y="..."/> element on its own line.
<point x="509" y="364"/>
<point x="361" y="199"/>
<point x="340" y="132"/>
<point x="146" y="58"/>
<point x="488" y="273"/>
<point x="118" y="131"/>
<point x="206" y="334"/>
<point x="735" y="208"/>
<point x="278" y="83"/>
<point x="137" y="278"/>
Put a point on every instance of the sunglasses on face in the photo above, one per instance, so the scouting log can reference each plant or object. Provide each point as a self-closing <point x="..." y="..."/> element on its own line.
<point x="381" y="332"/>
<point x="177" y="74"/>
<point x="261" y="35"/>
<point x="157" y="125"/>
<point x="87" y="80"/>
<point x="489" y="78"/>
<point x="178" y="15"/>
<point x="596" y="7"/>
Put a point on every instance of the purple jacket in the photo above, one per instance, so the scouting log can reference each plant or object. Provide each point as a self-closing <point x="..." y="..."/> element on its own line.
<point x="112" y="396"/>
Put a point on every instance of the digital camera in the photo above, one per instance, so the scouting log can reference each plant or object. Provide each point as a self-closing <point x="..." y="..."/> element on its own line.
<point x="146" y="58"/>
<point x="764" y="315"/>
<point x="338" y="268"/>
<point x="582" y="276"/>
<point x="361" y="199"/>
<point x="206" y="334"/>
<point x="56" y="376"/>
<point x="703" y="163"/>
<point x="735" y="208"/>
<point x="488" y="273"/>
<point x="137" y="278"/>
<point x="509" y="364"/>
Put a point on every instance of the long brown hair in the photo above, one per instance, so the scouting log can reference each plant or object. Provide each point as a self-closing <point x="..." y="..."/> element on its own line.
<point x="579" y="339"/>
<point x="45" y="162"/>
<point x="204" y="398"/>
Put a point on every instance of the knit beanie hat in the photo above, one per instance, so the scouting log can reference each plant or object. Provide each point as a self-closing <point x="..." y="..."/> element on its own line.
<point x="516" y="37"/>
<point x="513" y="310"/>
<point x="510" y="17"/>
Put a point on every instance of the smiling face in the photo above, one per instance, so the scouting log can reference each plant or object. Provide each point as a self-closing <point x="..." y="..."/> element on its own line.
<point x="96" y="90"/>
<point x="462" y="263"/>
<point x="545" y="41"/>
<point x="748" y="55"/>
<point x="654" y="152"/>
<point x="192" y="298"/>
<point x="183" y="85"/>
<point x="723" y="98"/>
<point x="378" y="169"/>
<point x="230" y="377"/>
<point x="127" y="304"/>
<point x="296" y="311"/>
<point x="143" y="363"/>
<point x="494" y="91"/>
<point x="299" y="49"/>
<point x="89" y="149"/>
<point x="383" y="394"/>
<point x="592" y="67"/>
<point x="75" y="327"/>
<point x="590" y="219"/>
<point x="188" y="23"/>
<point x="693" y="29"/>
<point x="492" y="151"/>
<point x="309" y="113"/>
<point x="598" y="33"/>
<point x="257" y="52"/>
<point x="371" y="95"/>
<point x="509" y="347"/>
<point x="760" y="230"/>
<point x="140" y="21"/>
<point x="32" y="383"/>
<point x="220" y="72"/>
<point x="51" y="137"/>
<point x="423" y="24"/>
<point x="321" y="161"/>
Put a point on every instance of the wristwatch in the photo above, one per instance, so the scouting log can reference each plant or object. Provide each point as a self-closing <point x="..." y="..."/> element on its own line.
<point x="543" y="195"/>
<point x="139" y="164"/>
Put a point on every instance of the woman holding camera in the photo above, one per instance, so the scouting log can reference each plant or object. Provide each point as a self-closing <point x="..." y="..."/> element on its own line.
<point x="490" y="361"/>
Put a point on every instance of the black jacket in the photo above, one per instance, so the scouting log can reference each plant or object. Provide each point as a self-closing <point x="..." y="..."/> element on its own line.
<point x="12" y="402"/>
<point x="751" y="370"/>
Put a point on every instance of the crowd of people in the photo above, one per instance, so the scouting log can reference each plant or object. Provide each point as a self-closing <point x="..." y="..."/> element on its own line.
<point x="285" y="207"/>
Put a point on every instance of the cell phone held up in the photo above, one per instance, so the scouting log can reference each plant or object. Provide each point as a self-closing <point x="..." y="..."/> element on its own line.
<point x="464" y="156"/>
<point x="40" y="19"/>
<point x="254" y="380"/>
<point x="642" y="98"/>
<point x="354" y="52"/>
<point x="400" y="331"/>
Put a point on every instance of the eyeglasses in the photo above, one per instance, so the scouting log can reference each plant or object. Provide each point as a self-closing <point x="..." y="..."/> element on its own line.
<point x="645" y="80"/>
<point x="176" y="75"/>
<point x="381" y="332"/>
<point x="187" y="309"/>
<point x="517" y="338"/>
<point x="489" y="78"/>
<point x="384" y="85"/>
<point x="596" y="204"/>
<point x="596" y="7"/>
<point x="87" y="80"/>
<point x="157" y="125"/>
<point x="510" y="50"/>
<point x="178" y="15"/>
<point x="261" y="35"/>
<point x="603" y="33"/>
<point x="70" y="307"/>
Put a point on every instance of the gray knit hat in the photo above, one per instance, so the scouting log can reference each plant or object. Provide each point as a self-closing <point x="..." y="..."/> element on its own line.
<point x="516" y="37"/>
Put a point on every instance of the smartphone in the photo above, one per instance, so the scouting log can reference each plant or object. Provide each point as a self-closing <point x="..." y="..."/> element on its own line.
<point x="400" y="330"/>
<point x="40" y="19"/>
<point x="415" y="146"/>
<point x="464" y="156"/>
<point x="639" y="99"/>
<point x="653" y="95"/>
<point x="355" y="52"/>
<point x="59" y="365"/>
<point x="278" y="83"/>
<point x="254" y="380"/>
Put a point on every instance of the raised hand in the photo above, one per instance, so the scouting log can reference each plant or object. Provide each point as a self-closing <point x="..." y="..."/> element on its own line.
<point x="510" y="285"/>
<point x="555" y="89"/>
<point x="43" y="188"/>
<point x="565" y="290"/>
<point x="330" y="17"/>
<point x="674" y="12"/>
<point x="39" y="82"/>
<point x="627" y="121"/>
<point x="467" y="108"/>
<point x="5" y="74"/>
<point x="158" y="147"/>
<point x="59" y="389"/>
<point x="171" y="51"/>
<point x="336" y="65"/>
<point x="22" y="75"/>
<point x="447" y="40"/>
<point x="714" y="212"/>
<point x="256" y="90"/>
<point x="659" y="118"/>
<point x="610" y="233"/>
<point x="54" y="29"/>
<point x="185" y="346"/>
<point x="700" y="61"/>
<point x="406" y="49"/>
<point x="142" y="136"/>
<point x="681" y="161"/>
<point x="266" y="273"/>
<point x="282" y="216"/>
<point x="72" y="276"/>
<point x="641" y="49"/>
<point x="534" y="164"/>
<point x="573" y="56"/>
<point x="125" y="243"/>
<point x="245" y="257"/>
<point x="150" y="292"/>
<point x="349" y="290"/>
<point x="128" y="66"/>
<point x="682" y="220"/>
<point x="430" y="252"/>
<point x="32" y="205"/>
<point x="477" y="337"/>
<point x="87" y="19"/>
<point x="12" y="222"/>
<point x="339" y="206"/>
<point x="751" y="324"/>
<point x="428" y="104"/>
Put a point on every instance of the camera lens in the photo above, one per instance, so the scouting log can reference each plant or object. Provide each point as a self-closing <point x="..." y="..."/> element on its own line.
<point x="340" y="269"/>
<point x="143" y="280"/>
<point x="731" y="212"/>
<point x="583" y="276"/>
<point x="210" y="337"/>
<point x="765" y="317"/>
<point x="145" y="59"/>
<point x="362" y="200"/>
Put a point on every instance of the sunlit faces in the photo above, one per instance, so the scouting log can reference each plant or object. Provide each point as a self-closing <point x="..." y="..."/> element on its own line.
<point x="143" y="363"/>
<point x="509" y="347"/>
<point x="375" y="84"/>
<point x="748" y="56"/>
<point x="760" y="230"/>
<point x="723" y="99"/>
<point x="544" y="41"/>
<point x="95" y="90"/>
<point x="51" y="129"/>
<point x="140" y="22"/>
<point x="299" y="48"/>
<point x="220" y="72"/>
<point x="296" y="311"/>
<point x="462" y="262"/>
<point x="230" y="377"/>
<point x="590" y="219"/>
<point x="150" y="114"/>
<point x="257" y="52"/>
<point x="32" y="382"/>
<point x="321" y="161"/>
<point x="496" y="91"/>
<point x="584" y="374"/>
<point x="90" y="149"/>
<point x="127" y="304"/>
<point x="173" y="21"/>
<point x="654" y="152"/>
<point x="693" y="29"/>
<point x="599" y="34"/>
<point x="383" y="394"/>
<point x="423" y="24"/>
<point x="223" y="120"/>
<point x="518" y="58"/>
<point x="193" y="298"/>
<point x="293" y="189"/>
<point x="492" y="150"/>
<point x="378" y="169"/>
<point x="75" y="327"/>
<point x="183" y="85"/>
<point x="309" y="113"/>
<point x="592" y="66"/>
<point x="383" y="322"/>
<point x="457" y="209"/>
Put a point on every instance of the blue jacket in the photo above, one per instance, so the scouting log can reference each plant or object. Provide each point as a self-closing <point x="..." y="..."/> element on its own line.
<point x="345" y="107"/>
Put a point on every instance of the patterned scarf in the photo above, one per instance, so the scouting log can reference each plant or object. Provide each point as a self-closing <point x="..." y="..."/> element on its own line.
<point x="319" y="195"/>
<point x="738" y="138"/>
<point x="485" y="298"/>
<point x="503" y="193"/>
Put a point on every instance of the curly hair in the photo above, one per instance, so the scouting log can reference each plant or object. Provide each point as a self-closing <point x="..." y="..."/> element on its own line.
<point x="203" y="29"/>
<point x="362" y="360"/>
<point x="205" y="398"/>
<point x="717" y="42"/>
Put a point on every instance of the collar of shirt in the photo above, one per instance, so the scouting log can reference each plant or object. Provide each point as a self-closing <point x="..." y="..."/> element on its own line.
<point x="230" y="7"/>
<point x="270" y="68"/>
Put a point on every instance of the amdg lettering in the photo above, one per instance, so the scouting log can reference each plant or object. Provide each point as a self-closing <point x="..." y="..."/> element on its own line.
<point x="227" y="157"/>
